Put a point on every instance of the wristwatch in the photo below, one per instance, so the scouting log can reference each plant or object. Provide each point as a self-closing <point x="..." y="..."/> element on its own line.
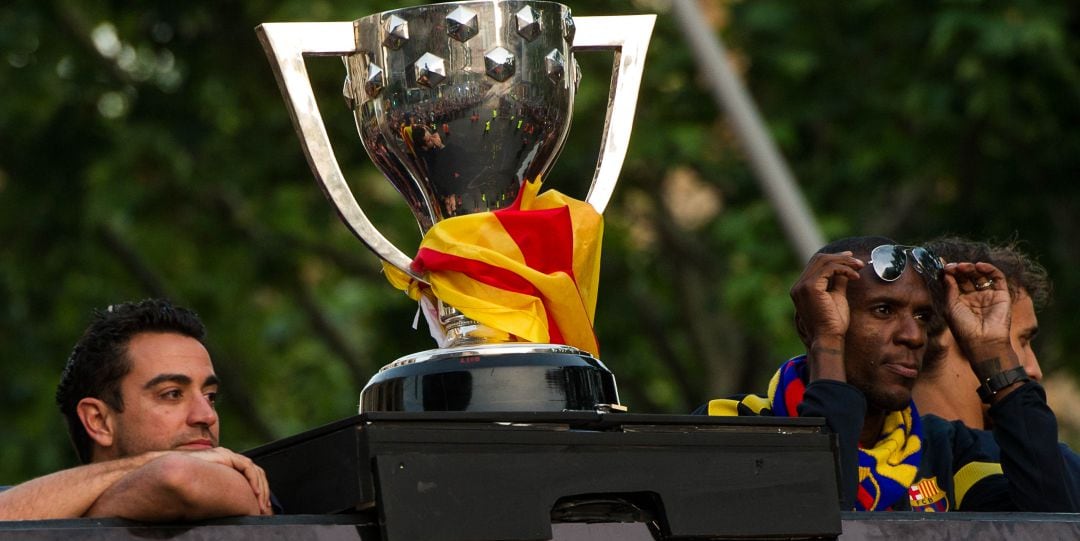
<point x="991" y="385"/>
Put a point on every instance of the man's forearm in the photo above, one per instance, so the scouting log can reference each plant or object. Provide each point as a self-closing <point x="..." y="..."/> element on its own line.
<point x="990" y="361"/>
<point x="68" y="493"/>
<point x="825" y="359"/>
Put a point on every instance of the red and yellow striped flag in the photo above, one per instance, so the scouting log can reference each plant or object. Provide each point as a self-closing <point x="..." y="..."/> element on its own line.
<point x="530" y="270"/>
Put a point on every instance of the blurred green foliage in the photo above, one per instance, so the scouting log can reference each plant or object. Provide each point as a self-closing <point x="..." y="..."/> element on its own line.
<point x="145" y="150"/>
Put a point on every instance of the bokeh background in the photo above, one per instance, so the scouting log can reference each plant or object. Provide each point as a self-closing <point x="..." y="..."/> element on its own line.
<point x="145" y="150"/>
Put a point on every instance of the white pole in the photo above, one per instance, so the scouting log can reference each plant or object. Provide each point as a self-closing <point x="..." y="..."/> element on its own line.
<point x="768" y="164"/>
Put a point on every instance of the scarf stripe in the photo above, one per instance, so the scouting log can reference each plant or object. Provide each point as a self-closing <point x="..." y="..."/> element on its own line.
<point x="865" y="500"/>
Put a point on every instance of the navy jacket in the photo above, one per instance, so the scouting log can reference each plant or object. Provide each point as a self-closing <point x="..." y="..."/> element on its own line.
<point x="1019" y="466"/>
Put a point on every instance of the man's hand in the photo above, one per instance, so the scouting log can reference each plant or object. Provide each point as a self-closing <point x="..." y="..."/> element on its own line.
<point x="255" y="475"/>
<point x="822" y="313"/>
<point x="979" y="311"/>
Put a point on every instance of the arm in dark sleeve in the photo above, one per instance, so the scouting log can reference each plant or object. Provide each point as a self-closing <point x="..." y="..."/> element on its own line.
<point x="1043" y="475"/>
<point x="844" y="410"/>
<point x="974" y="463"/>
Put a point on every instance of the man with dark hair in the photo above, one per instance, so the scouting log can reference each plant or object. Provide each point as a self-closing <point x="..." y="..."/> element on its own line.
<point x="866" y="310"/>
<point x="138" y="395"/>
<point x="939" y="389"/>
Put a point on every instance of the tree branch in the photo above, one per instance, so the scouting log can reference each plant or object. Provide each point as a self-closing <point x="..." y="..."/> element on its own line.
<point x="269" y="245"/>
<point x="332" y="336"/>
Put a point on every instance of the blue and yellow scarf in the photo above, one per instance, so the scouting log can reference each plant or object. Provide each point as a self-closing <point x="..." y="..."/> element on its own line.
<point x="886" y="470"/>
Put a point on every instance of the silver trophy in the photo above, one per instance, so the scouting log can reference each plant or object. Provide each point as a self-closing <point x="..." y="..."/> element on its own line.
<point x="458" y="104"/>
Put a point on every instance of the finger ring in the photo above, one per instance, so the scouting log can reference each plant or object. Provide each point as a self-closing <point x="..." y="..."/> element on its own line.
<point x="984" y="285"/>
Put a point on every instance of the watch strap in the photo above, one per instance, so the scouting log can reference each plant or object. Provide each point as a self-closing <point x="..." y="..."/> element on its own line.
<point x="991" y="385"/>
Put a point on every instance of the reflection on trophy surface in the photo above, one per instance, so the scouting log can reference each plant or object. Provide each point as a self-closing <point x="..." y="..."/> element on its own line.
<point x="464" y="107"/>
<point x="469" y="109"/>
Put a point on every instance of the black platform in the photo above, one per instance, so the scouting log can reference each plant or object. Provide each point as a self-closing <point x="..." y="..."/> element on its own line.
<point x="454" y="475"/>
<point x="571" y="476"/>
<point x="856" y="527"/>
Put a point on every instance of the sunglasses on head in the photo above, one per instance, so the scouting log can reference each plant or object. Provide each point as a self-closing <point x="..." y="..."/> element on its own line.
<point x="890" y="260"/>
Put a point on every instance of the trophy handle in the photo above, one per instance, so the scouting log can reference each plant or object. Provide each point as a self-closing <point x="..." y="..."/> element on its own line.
<point x="286" y="44"/>
<point x="628" y="36"/>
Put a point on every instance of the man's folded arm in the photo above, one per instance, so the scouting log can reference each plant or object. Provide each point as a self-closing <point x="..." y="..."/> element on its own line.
<point x="178" y="487"/>
<point x="67" y="493"/>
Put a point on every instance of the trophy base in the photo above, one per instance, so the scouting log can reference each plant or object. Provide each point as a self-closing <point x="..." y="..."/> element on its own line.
<point x="493" y="378"/>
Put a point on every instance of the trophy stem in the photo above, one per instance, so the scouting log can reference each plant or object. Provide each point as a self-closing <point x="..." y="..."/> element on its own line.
<point x="464" y="331"/>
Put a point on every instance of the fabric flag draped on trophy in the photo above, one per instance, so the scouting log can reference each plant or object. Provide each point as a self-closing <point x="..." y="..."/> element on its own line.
<point x="464" y="107"/>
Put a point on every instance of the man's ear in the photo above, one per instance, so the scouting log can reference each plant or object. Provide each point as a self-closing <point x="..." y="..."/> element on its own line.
<point x="98" y="419"/>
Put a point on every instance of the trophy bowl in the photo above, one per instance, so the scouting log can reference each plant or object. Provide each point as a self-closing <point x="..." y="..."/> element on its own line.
<point x="457" y="110"/>
<point x="461" y="105"/>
